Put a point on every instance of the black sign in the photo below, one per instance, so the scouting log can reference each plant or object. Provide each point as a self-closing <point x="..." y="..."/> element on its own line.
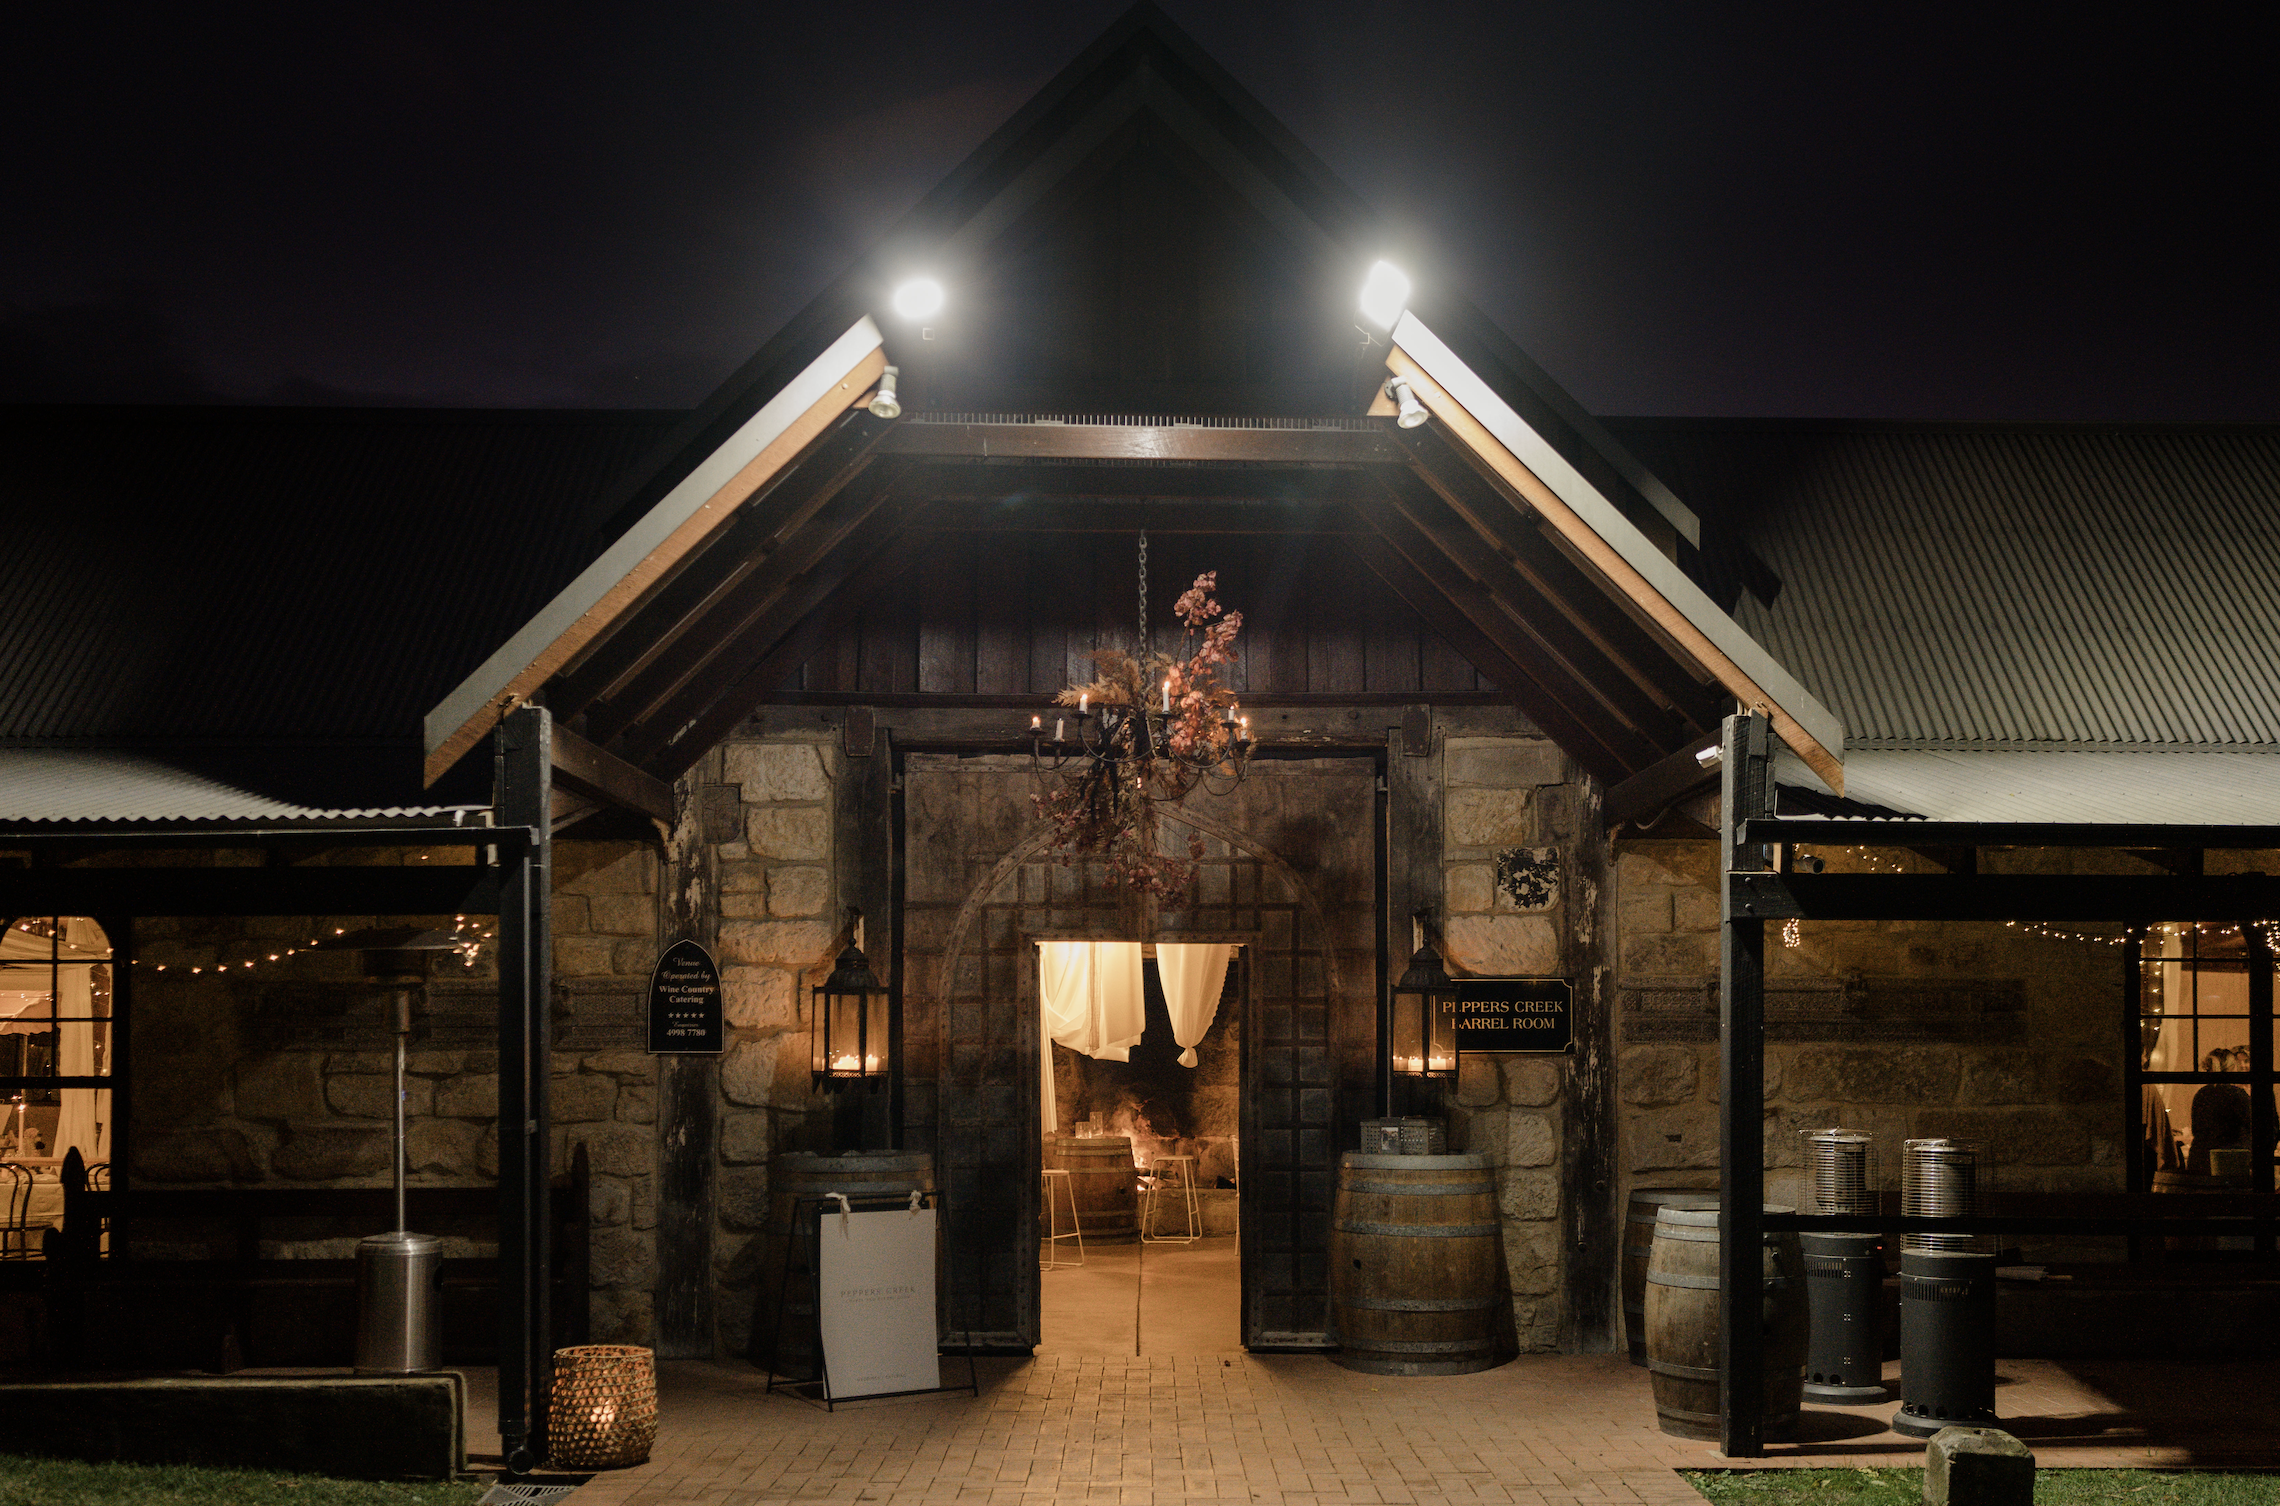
<point x="1512" y="1014"/>
<point x="684" y="1001"/>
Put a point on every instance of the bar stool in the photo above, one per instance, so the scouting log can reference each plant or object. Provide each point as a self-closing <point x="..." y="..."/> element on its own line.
<point x="1053" y="1235"/>
<point x="1184" y="1188"/>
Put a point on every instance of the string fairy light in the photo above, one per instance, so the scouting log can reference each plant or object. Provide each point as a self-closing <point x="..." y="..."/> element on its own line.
<point x="468" y="942"/>
<point x="1793" y="932"/>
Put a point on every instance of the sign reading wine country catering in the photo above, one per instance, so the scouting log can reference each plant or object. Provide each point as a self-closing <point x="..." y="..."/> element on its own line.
<point x="684" y="1001"/>
<point x="1513" y="1014"/>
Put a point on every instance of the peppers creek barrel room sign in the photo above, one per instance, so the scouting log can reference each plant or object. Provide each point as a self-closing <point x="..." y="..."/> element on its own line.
<point x="1512" y="1014"/>
<point x="684" y="1002"/>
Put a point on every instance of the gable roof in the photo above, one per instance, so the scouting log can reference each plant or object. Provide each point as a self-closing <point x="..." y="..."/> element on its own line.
<point x="676" y="634"/>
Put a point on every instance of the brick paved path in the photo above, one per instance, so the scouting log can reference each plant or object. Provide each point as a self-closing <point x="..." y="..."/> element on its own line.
<point x="1274" y="1429"/>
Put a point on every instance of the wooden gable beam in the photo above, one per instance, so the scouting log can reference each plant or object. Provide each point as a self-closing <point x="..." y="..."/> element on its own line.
<point x="1611" y="545"/>
<point x="1640" y="707"/>
<point x="722" y="565"/>
<point x="614" y="583"/>
<point x="721" y="637"/>
<point x="584" y="769"/>
<point x="1462" y="611"/>
<point x="706" y="708"/>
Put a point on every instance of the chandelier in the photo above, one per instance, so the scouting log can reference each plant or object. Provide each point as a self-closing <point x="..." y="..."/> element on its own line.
<point x="1146" y="731"/>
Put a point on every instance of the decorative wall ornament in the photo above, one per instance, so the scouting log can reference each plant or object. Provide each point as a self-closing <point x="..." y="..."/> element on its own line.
<point x="1529" y="876"/>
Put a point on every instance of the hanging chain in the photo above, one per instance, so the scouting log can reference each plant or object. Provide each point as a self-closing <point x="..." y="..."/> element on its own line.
<point x="1144" y="644"/>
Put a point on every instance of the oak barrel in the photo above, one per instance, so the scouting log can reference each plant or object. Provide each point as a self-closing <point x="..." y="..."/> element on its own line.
<point x="1682" y="1324"/>
<point x="1415" y="1262"/>
<point x="1638" y="1242"/>
<point x="1104" y="1182"/>
<point x="793" y="1176"/>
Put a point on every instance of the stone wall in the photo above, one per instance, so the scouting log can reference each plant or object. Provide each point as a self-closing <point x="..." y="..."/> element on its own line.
<point x="1899" y="1029"/>
<point x="1511" y="822"/>
<point x="778" y="923"/>
<point x="279" y="1073"/>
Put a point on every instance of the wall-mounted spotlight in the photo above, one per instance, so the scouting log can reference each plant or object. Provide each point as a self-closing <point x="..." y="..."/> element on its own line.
<point x="884" y="403"/>
<point x="1412" y="412"/>
<point x="919" y="298"/>
<point x="1385" y="294"/>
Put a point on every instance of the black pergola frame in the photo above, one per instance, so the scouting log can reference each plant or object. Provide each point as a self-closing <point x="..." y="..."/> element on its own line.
<point x="1753" y="891"/>
<point x="511" y="878"/>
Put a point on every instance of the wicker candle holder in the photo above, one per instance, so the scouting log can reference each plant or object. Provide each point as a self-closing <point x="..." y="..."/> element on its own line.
<point x="604" y="1409"/>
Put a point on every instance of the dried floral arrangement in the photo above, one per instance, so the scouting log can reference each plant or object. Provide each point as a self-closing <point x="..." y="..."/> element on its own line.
<point x="1165" y="721"/>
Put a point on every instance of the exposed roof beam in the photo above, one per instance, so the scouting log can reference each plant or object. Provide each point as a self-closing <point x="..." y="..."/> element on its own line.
<point x="598" y="774"/>
<point x="674" y="733"/>
<point x="1659" y="783"/>
<point x="1059" y="441"/>
<point x="711" y="573"/>
<point x="999" y="480"/>
<point x="766" y="443"/>
<point x="1507" y="451"/>
<point x="695" y="657"/>
<point x="1461" y="610"/>
<point x="1122" y="515"/>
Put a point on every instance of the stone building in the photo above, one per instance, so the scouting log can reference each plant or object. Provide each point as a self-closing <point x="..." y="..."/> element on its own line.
<point x="789" y="647"/>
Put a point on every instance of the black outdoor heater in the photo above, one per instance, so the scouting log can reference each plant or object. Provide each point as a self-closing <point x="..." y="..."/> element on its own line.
<point x="1947" y="1296"/>
<point x="1844" y="1276"/>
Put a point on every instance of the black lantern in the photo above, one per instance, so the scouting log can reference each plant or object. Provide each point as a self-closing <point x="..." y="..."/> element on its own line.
<point x="1424" y="1032"/>
<point x="849" y="1025"/>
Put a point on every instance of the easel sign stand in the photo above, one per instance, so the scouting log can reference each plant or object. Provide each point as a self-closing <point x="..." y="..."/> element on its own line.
<point x="873" y="1268"/>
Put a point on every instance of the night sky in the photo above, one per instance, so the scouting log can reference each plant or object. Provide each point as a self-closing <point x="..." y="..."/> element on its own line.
<point x="1888" y="212"/>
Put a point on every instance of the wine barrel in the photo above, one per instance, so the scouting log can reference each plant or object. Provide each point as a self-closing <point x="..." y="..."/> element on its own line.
<point x="1682" y="1325"/>
<point x="784" y="1334"/>
<point x="1104" y="1182"/>
<point x="1415" y="1257"/>
<point x="1638" y="1242"/>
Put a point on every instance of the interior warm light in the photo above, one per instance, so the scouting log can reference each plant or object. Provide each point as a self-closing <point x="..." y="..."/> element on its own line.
<point x="1384" y="295"/>
<point x="884" y="402"/>
<point x="922" y="296"/>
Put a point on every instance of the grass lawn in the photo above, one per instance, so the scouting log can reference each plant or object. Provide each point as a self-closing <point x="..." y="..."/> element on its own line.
<point x="2053" y="1487"/>
<point x="62" y="1482"/>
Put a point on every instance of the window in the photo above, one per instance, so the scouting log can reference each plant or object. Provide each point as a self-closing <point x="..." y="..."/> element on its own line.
<point x="56" y="1040"/>
<point x="2195" y="1018"/>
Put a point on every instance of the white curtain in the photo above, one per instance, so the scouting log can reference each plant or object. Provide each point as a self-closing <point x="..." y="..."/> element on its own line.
<point x="1192" y="975"/>
<point x="1091" y="999"/>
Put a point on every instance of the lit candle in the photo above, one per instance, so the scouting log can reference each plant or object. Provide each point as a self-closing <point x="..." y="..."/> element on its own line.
<point x="1167" y="695"/>
<point x="1084" y="699"/>
<point x="1037" y="723"/>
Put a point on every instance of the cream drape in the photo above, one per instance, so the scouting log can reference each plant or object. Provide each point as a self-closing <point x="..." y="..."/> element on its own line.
<point x="1091" y="999"/>
<point x="1192" y="974"/>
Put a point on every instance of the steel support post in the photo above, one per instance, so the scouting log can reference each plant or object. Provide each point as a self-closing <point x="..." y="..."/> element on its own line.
<point x="1745" y="792"/>
<point x="524" y="769"/>
<point x="2261" y="1107"/>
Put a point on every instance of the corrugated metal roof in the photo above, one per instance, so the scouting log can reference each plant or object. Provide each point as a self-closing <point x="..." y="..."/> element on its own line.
<point x="111" y="786"/>
<point x="2059" y="787"/>
<point x="1991" y="587"/>
<point x="179" y="574"/>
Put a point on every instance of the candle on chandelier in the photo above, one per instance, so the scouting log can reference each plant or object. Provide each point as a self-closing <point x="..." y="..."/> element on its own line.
<point x="1036" y="723"/>
<point x="1167" y="695"/>
<point x="1058" y="722"/>
<point x="1083" y="700"/>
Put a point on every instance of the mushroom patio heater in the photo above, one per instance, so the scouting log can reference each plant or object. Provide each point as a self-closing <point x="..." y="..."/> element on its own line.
<point x="397" y="1273"/>
<point x="1947" y="1296"/>
<point x="1844" y="1276"/>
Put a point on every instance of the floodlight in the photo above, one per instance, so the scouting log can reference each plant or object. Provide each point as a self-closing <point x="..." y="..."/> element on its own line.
<point x="1412" y="412"/>
<point x="884" y="403"/>
<point x="1384" y="295"/>
<point x="918" y="298"/>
